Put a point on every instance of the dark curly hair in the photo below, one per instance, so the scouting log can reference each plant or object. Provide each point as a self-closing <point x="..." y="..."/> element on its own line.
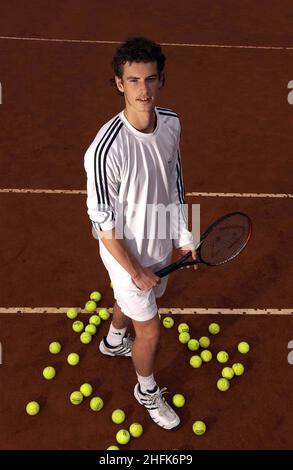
<point x="137" y="49"/>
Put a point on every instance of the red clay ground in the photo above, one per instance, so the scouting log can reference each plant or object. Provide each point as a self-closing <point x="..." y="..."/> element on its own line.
<point x="236" y="137"/>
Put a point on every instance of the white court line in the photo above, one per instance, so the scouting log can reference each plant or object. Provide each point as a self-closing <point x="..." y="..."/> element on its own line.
<point x="42" y="191"/>
<point x="174" y="44"/>
<point x="163" y="311"/>
<point x="269" y="195"/>
<point x="201" y="194"/>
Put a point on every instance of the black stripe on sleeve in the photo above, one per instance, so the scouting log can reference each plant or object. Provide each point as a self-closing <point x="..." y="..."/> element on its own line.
<point x="180" y="185"/>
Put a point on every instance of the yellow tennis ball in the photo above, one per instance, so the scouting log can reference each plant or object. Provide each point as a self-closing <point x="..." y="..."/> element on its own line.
<point x="178" y="400"/>
<point x="91" y="329"/>
<point x="49" y="373"/>
<point x="206" y="355"/>
<point x="73" y="359"/>
<point x="85" y="337"/>
<point x="95" y="320"/>
<point x="104" y="314"/>
<point x="32" y="408"/>
<point x="135" y="429"/>
<point x="76" y="397"/>
<point x="238" y="368"/>
<point x="90" y="306"/>
<point x="96" y="296"/>
<point x="228" y="373"/>
<point x="193" y="345"/>
<point x="55" y="347"/>
<point x="113" y="448"/>
<point x="223" y="384"/>
<point x="184" y="338"/>
<point x="243" y="347"/>
<point x="96" y="403"/>
<point x="118" y="416"/>
<point x="168" y="322"/>
<point x="195" y="361"/>
<point x="199" y="428"/>
<point x="183" y="328"/>
<point x="72" y="313"/>
<point x="204" y="342"/>
<point x="214" y="328"/>
<point x="222" y="357"/>
<point x="86" y="389"/>
<point x="77" y="326"/>
<point x="123" y="436"/>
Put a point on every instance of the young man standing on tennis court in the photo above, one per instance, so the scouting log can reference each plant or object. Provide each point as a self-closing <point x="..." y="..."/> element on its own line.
<point x="133" y="169"/>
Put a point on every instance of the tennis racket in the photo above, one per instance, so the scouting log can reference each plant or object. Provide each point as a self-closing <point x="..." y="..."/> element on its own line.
<point x="221" y="242"/>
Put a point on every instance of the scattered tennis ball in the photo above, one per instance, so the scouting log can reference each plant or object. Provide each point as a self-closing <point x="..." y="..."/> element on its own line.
<point x="195" y="361"/>
<point x="168" y="322"/>
<point x="243" y="347"/>
<point x="184" y="337"/>
<point x="214" y="328"/>
<point x="86" y="389"/>
<point x="91" y="329"/>
<point x="104" y="314"/>
<point x="95" y="320"/>
<point x="113" y="448"/>
<point x="135" y="429"/>
<point x="77" y="326"/>
<point x="204" y="342"/>
<point x="85" y="337"/>
<point x="32" y="408"/>
<point x="90" y="306"/>
<point x="206" y="355"/>
<point x="222" y="357"/>
<point x="223" y="384"/>
<point x="111" y="285"/>
<point x="228" y="373"/>
<point x="118" y="416"/>
<point x="49" y="373"/>
<point x="72" y="313"/>
<point x="183" y="328"/>
<point x="178" y="400"/>
<point x="96" y="403"/>
<point x="193" y="344"/>
<point x="123" y="436"/>
<point x="73" y="359"/>
<point x="76" y="397"/>
<point x="199" y="428"/>
<point x="55" y="347"/>
<point x="238" y="368"/>
<point x="96" y="296"/>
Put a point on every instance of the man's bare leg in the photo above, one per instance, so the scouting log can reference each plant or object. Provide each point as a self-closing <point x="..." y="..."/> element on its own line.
<point x="117" y="328"/>
<point x="119" y="320"/>
<point x="144" y="350"/>
<point x="147" y="391"/>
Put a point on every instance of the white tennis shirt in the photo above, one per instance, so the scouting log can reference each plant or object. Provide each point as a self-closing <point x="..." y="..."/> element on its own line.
<point x="133" y="180"/>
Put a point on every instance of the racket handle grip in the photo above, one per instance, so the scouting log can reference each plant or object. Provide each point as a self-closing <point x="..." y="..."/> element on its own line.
<point x="172" y="267"/>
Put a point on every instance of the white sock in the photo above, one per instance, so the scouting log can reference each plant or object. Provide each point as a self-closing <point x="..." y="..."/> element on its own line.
<point x="146" y="383"/>
<point x="115" y="336"/>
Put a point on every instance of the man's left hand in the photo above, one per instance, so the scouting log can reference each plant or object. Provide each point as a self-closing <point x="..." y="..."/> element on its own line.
<point x="184" y="250"/>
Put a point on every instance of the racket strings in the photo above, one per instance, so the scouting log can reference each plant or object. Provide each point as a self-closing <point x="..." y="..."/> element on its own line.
<point x="226" y="239"/>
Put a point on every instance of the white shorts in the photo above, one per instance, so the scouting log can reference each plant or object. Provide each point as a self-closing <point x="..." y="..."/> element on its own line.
<point x="134" y="303"/>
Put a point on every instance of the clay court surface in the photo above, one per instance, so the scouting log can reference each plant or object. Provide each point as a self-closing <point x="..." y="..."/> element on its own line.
<point x="228" y="69"/>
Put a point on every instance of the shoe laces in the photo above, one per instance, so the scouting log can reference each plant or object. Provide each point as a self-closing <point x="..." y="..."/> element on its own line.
<point x="157" y="398"/>
<point x="128" y="341"/>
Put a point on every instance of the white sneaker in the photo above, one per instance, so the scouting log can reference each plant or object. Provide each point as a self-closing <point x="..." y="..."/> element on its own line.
<point x="159" y="410"/>
<point x="123" y="349"/>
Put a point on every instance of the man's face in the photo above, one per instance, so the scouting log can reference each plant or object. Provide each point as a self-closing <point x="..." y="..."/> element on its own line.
<point x="140" y="84"/>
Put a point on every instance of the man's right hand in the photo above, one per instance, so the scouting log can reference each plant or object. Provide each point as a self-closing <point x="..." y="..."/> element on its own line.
<point x="145" y="279"/>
